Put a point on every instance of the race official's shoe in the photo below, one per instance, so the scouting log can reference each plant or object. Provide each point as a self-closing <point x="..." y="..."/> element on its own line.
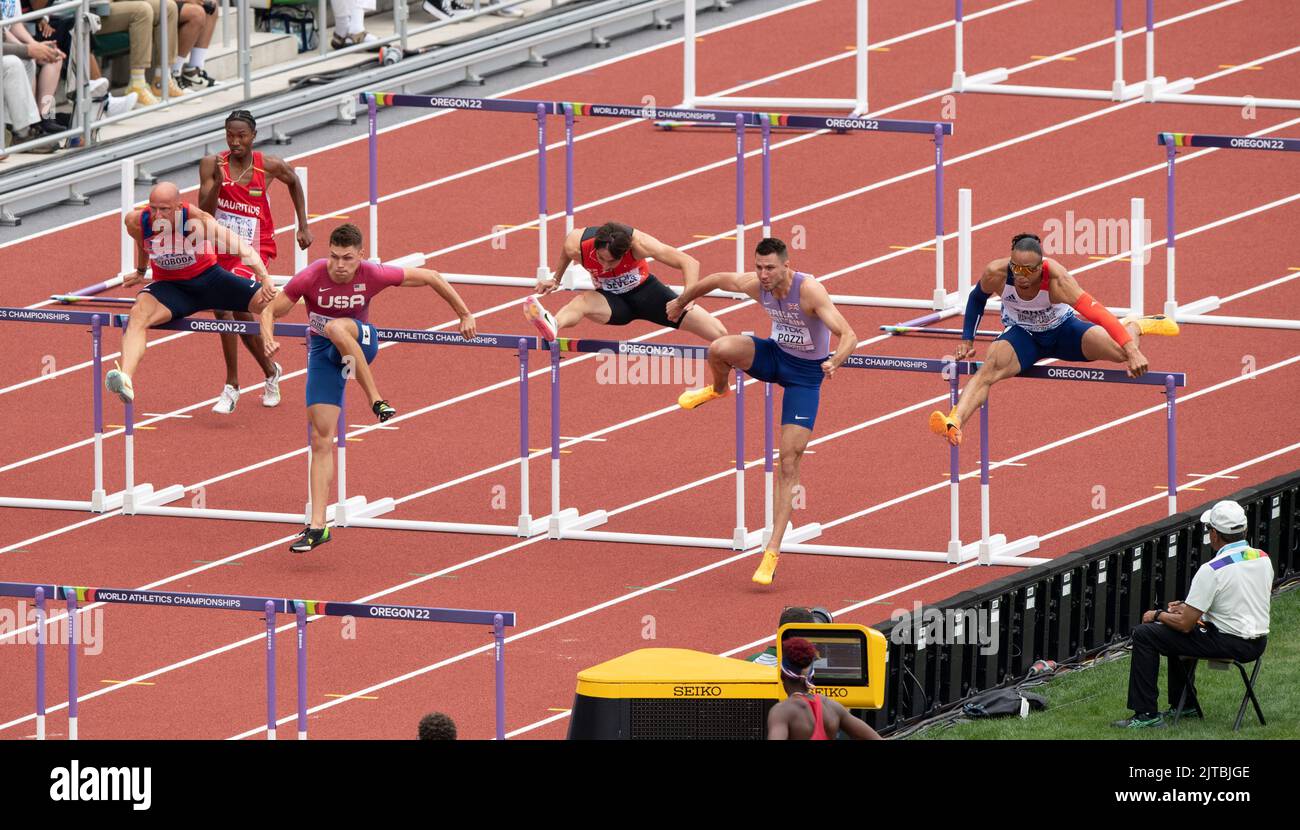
<point x="766" y="568"/>
<point x="948" y="426"/>
<point x="692" y="398"/>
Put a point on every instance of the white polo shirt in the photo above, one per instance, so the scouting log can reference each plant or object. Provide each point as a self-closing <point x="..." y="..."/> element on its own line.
<point x="1234" y="589"/>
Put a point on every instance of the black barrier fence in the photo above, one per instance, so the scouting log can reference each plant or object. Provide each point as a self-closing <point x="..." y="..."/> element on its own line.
<point x="1068" y="610"/>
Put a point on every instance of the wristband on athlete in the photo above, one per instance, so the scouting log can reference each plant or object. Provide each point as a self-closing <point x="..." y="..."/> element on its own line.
<point x="1095" y="312"/>
<point x="975" y="302"/>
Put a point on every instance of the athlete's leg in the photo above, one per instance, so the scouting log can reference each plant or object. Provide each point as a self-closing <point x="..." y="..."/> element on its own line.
<point x="794" y="440"/>
<point x="324" y="420"/>
<point x="343" y="333"/>
<point x="1098" y="345"/>
<point x="229" y="350"/>
<point x="733" y="351"/>
<point x="590" y="305"/>
<point x="146" y="312"/>
<point x="1000" y="364"/>
<point x="702" y="324"/>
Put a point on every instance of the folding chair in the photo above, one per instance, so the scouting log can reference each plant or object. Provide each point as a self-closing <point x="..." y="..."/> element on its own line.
<point x="1222" y="665"/>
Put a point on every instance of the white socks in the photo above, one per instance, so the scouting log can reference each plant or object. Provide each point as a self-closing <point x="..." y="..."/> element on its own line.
<point x="197" y="57"/>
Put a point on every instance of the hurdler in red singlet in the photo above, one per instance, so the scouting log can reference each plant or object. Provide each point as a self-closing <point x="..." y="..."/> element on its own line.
<point x="180" y="242"/>
<point x="234" y="187"/>
<point x="615" y="255"/>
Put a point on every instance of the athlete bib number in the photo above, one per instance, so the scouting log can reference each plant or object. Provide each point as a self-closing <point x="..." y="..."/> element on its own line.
<point x="620" y="284"/>
<point x="245" y="226"/>
<point x="796" y="338"/>
<point x="316" y="322"/>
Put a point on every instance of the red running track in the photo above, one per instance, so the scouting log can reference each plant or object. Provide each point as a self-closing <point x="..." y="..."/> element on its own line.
<point x="580" y="603"/>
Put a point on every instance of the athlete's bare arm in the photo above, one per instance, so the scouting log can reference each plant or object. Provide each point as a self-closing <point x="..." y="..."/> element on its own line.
<point x="275" y="309"/>
<point x="570" y="251"/>
<point x="857" y="729"/>
<point x="281" y="172"/>
<point x="209" y="183"/>
<point x="223" y="236"/>
<point x="816" y="302"/>
<point x="427" y="276"/>
<point x="991" y="282"/>
<point x="645" y="246"/>
<point x="132" y="224"/>
<point x="725" y="280"/>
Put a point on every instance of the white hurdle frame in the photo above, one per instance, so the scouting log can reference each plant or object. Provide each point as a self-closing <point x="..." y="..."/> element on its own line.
<point x="991" y="81"/>
<point x="574" y="526"/>
<point x="990" y="549"/>
<point x="856" y="105"/>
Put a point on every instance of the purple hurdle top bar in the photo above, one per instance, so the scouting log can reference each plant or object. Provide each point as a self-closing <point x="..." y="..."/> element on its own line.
<point x="300" y="612"/>
<point x="40" y="663"/>
<point x="71" y="598"/>
<point x="499" y="661"/>
<point x="568" y="167"/>
<point x="269" y="608"/>
<point x="1229" y="142"/>
<point x="1048" y="372"/>
<point x="872" y="125"/>
<point x="623" y="347"/>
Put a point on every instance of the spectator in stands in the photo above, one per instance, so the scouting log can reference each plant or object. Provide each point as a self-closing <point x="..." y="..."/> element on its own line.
<point x="135" y="17"/>
<point x="21" y="112"/>
<point x="57" y="30"/>
<point x="452" y="9"/>
<point x="196" y="37"/>
<point x="350" y="22"/>
<point x="436" y="726"/>
<point x="805" y="715"/>
<point x="47" y="76"/>
<point x="1225" y="617"/>
<point x="791" y="614"/>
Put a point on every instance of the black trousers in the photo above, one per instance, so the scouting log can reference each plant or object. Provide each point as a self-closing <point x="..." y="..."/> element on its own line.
<point x="1151" y="640"/>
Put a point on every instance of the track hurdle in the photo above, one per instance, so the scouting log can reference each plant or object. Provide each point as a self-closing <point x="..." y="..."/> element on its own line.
<point x="357" y="510"/>
<point x="579" y="527"/>
<point x="995" y="548"/>
<point x="1196" y="312"/>
<point x="269" y="607"/>
<point x="1158" y="90"/>
<point x="855" y="105"/>
<point x="100" y="500"/>
<point x="991" y="81"/>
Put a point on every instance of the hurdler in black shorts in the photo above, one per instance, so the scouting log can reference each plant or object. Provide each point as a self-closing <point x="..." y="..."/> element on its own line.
<point x="648" y="301"/>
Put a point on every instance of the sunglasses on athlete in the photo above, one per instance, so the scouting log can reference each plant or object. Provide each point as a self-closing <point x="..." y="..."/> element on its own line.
<point x="1026" y="270"/>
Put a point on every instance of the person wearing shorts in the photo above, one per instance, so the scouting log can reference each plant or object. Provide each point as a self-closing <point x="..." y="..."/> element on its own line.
<point x="615" y="256"/>
<point x="342" y="343"/>
<point x="797" y="357"/>
<point x="233" y="187"/>
<point x="181" y="242"/>
<point x="1039" y="303"/>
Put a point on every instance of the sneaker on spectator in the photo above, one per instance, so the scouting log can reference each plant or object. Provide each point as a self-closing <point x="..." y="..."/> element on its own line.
<point x="143" y="95"/>
<point x="192" y="76"/>
<point x="120" y="105"/>
<point x="97" y="87"/>
<point x="173" y="90"/>
<point x="341" y="41"/>
<point x="444" y="9"/>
